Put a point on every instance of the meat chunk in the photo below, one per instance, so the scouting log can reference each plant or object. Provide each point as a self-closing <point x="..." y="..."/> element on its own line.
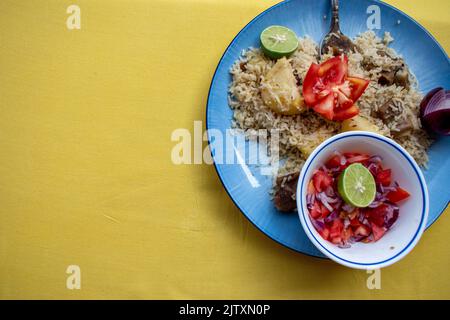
<point x="388" y="112"/>
<point x="286" y="187"/>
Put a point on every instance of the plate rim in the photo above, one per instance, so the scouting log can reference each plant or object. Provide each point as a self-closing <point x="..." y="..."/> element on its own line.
<point x="253" y="20"/>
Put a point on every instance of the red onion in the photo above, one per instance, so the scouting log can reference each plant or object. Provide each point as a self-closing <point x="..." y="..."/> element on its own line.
<point x="325" y="200"/>
<point x="435" y="111"/>
<point x="330" y="192"/>
<point x="332" y="216"/>
<point x="310" y="200"/>
<point x="348" y="208"/>
<point x="375" y="204"/>
<point x="319" y="225"/>
<point x="375" y="159"/>
<point x="357" y="238"/>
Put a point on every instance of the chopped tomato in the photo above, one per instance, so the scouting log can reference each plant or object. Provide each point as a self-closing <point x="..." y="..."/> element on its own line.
<point x="376" y="215"/>
<point x="330" y="92"/>
<point x="325" y="211"/>
<point x="325" y="233"/>
<point x="336" y="228"/>
<point x="316" y="210"/>
<point x="398" y="195"/>
<point x="378" y="232"/>
<point x="311" y="189"/>
<point x="322" y="180"/>
<point x="362" y="230"/>
<point x="384" y="177"/>
<point x="355" y="222"/>
<point x="334" y="162"/>
<point x="347" y="233"/>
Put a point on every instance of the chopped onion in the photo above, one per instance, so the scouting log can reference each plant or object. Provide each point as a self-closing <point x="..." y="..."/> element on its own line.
<point x="319" y="225"/>
<point x="332" y="216"/>
<point x="348" y="208"/>
<point x="375" y="159"/>
<point x="310" y="200"/>
<point x="330" y="192"/>
<point x="435" y="111"/>
<point x="324" y="199"/>
<point x="375" y="204"/>
<point x="346" y="222"/>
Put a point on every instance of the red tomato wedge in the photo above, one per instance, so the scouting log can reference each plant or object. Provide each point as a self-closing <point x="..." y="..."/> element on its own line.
<point x="346" y="113"/>
<point x="325" y="107"/>
<point x="329" y="91"/>
<point x="334" y="70"/>
<point x="398" y="195"/>
<point x="358" y="86"/>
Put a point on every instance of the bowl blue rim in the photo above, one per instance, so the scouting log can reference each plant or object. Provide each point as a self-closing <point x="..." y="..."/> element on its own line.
<point x="268" y="10"/>
<point x="416" y="168"/>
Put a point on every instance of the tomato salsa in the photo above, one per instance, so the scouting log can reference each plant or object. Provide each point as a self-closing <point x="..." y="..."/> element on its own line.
<point x="342" y="223"/>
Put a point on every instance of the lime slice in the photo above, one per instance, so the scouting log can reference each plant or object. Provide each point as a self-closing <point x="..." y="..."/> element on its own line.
<point x="356" y="186"/>
<point x="278" y="41"/>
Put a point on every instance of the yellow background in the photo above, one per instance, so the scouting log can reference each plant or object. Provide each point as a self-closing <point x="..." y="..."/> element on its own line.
<point x="86" y="176"/>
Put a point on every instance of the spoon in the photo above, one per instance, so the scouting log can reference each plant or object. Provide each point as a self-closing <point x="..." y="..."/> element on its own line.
<point x="335" y="40"/>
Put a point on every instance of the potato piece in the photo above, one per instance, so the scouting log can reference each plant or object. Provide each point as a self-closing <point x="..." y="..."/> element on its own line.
<point x="310" y="142"/>
<point x="359" y="123"/>
<point x="279" y="90"/>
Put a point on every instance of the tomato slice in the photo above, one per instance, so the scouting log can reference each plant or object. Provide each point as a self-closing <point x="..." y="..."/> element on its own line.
<point x="378" y="232"/>
<point x="321" y="181"/>
<point x="398" y="195"/>
<point x="315" y="211"/>
<point x="325" y="107"/>
<point x="384" y="177"/>
<point x="358" y="86"/>
<point x="345" y="114"/>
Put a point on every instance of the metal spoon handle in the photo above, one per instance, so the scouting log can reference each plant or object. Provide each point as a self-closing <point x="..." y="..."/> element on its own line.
<point x="335" y="16"/>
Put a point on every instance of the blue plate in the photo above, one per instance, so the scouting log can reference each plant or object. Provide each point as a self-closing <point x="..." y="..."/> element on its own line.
<point x="246" y="185"/>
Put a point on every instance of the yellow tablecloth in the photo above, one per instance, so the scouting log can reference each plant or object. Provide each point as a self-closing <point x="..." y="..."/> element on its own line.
<point x="86" y="176"/>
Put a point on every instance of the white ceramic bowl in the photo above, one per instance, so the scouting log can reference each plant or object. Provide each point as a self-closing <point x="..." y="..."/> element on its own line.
<point x="408" y="229"/>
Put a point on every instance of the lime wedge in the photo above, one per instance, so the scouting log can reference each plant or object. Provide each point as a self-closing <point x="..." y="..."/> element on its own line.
<point x="278" y="41"/>
<point x="356" y="186"/>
